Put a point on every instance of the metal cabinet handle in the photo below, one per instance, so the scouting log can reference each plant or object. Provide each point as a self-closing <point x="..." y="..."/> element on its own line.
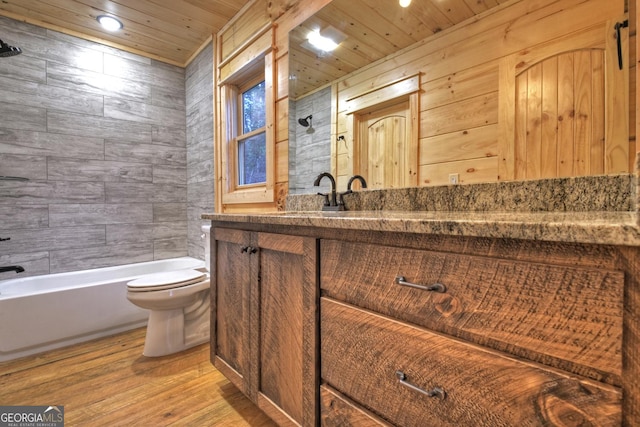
<point x="249" y="249"/>
<point x="436" y="287"/>
<point x="435" y="392"/>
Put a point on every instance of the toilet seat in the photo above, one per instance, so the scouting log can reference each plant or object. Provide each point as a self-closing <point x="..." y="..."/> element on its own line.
<point x="166" y="280"/>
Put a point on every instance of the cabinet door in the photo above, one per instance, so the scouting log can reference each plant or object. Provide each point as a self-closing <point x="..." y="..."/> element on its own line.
<point x="231" y="281"/>
<point x="287" y="297"/>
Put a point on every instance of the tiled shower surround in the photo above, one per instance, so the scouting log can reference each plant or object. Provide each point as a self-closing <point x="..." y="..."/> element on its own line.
<point x="309" y="151"/>
<point x="118" y="154"/>
<point x="200" y="181"/>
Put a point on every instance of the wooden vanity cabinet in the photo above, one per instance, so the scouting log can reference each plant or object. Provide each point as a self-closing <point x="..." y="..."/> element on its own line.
<point x="453" y="331"/>
<point x="337" y="327"/>
<point x="263" y="320"/>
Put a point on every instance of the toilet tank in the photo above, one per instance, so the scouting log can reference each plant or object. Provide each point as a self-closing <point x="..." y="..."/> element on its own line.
<point x="206" y="236"/>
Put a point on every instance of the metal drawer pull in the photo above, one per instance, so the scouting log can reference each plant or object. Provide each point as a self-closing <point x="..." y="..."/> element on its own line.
<point x="436" y="287"/>
<point x="436" y="392"/>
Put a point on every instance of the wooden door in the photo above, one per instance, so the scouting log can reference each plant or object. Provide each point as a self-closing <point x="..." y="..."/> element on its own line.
<point x="564" y="107"/>
<point x="384" y="158"/>
<point x="288" y="384"/>
<point x="231" y="325"/>
<point x="560" y="116"/>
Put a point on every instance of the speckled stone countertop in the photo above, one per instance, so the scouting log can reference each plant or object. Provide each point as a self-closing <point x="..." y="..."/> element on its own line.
<point x="617" y="228"/>
<point x="576" y="194"/>
<point x="600" y="210"/>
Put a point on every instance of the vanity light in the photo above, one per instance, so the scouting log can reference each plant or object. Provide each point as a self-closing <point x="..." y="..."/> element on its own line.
<point x="405" y="3"/>
<point x="109" y="23"/>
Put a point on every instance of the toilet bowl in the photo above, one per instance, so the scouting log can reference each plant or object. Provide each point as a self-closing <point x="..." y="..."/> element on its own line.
<point x="178" y="304"/>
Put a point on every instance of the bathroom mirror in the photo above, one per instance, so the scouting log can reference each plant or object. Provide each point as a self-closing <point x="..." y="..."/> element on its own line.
<point x="445" y="64"/>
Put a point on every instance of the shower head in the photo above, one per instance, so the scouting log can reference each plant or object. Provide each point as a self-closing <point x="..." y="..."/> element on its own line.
<point x="6" y="50"/>
<point x="306" y="122"/>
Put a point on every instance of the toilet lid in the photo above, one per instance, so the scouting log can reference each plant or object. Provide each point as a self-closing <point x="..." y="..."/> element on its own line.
<point x="166" y="280"/>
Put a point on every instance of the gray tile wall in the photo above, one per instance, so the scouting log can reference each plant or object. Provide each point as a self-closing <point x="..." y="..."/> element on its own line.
<point x="309" y="153"/>
<point x="115" y="175"/>
<point x="200" y="181"/>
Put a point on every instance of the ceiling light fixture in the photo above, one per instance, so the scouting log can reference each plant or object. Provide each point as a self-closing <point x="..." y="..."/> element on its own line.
<point x="326" y="39"/>
<point x="321" y="42"/>
<point x="109" y="23"/>
<point x="405" y="3"/>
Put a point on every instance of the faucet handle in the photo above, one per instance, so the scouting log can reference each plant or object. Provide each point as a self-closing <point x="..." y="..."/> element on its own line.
<point x="341" y="196"/>
<point x="326" y="198"/>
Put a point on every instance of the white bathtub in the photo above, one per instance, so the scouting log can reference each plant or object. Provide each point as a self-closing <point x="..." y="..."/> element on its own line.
<point x="41" y="313"/>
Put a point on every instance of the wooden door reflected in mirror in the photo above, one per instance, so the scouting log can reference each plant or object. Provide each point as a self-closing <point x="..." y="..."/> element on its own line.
<point x="384" y="159"/>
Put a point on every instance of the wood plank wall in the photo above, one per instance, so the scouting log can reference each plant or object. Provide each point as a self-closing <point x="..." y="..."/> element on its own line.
<point x="461" y="87"/>
<point x="459" y="80"/>
<point x="235" y="39"/>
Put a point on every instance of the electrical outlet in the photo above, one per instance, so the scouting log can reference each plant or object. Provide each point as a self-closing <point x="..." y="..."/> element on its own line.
<point x="453" y="178"/>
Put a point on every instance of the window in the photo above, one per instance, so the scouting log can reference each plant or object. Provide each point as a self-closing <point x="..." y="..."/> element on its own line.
<point x="251" y="141"/>
<point x="246" y="170"/>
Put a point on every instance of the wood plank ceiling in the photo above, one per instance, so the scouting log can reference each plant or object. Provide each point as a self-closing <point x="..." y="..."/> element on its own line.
<point x="171" y="31"/>
<point x="374" y="29"/>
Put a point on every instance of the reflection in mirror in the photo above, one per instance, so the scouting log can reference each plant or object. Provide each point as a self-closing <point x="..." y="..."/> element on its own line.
<point x="369" y="33"/>
<point x="366" y="35"/>
<point x="309" y="152"/>
<point x="487" y="86"/>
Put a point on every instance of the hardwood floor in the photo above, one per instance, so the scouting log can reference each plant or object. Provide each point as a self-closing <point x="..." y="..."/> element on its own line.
<point x="109" y="382"/>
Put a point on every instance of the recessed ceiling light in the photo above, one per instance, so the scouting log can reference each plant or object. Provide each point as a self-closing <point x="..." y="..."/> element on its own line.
<point x="321" y="42"/>
<point x="405" y="3"/>
<point x="325" y="40"/>
<point x="109" y="23"/>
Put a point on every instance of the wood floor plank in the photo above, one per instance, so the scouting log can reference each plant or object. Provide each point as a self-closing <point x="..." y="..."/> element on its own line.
<point x="71" y="371"/>
<point x="131" y="338"/>
<point x="109" y="382"/>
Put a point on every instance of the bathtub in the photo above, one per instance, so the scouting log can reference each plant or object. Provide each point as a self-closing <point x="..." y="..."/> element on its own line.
<point x="41" y="313"/>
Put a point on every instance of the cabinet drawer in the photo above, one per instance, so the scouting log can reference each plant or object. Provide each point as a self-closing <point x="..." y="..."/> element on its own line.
<point x="336" y="410"/>
<point x="566" y="317"/>
<point x="363" y="352"/>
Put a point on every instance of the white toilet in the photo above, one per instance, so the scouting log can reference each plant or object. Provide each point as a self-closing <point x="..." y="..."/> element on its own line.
<point x="179" y="306"/>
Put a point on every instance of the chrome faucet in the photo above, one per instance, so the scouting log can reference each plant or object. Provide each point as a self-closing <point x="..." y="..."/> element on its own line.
<point x="363" y="184"/>
<point x="330" y="202"/>
<point x="15" y="268"/>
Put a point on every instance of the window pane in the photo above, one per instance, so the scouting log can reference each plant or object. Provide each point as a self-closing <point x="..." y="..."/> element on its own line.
<point x="253" y="108"/>
<point x="252" y="160"/>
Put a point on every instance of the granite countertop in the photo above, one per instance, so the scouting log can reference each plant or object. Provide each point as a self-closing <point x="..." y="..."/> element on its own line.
<point x="591" y="209"/>
<point x="603" y="227"/>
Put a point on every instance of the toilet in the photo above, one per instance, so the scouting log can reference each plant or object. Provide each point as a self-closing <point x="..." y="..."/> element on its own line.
<point x="178" y="302"/>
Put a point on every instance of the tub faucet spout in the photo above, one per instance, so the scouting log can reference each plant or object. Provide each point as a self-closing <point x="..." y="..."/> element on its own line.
<point x="15" y="268"/>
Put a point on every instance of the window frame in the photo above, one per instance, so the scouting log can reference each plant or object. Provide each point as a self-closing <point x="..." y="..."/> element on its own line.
<point x="231" y="91"/>
<point x="240" y="135"/>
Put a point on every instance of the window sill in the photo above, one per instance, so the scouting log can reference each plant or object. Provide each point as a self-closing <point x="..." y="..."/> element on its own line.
<point x="250" y="195"/>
